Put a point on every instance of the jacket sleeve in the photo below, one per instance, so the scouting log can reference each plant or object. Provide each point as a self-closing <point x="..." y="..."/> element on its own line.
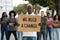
<point x="16" y="22"/>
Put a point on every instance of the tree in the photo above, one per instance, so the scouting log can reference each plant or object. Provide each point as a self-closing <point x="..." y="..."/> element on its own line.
<point x="58" y="7"/>
<point x="40" y="2"/>
<point x="50" y="3"/>
<point x="21" y="8"/>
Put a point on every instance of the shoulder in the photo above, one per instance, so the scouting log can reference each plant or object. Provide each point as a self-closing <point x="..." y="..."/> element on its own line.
<point x="45" y="17"/>
<point x="15" y="19"/>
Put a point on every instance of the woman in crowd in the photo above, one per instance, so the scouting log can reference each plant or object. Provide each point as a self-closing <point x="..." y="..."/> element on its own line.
<point x="12" y="22"/>
<point x="4" y="27"/>
<point x="56" y="26"/>
<point x="49" y="26"/>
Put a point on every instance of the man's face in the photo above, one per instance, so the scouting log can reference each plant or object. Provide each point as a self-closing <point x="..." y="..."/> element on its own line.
<point x="29" y="9"/>
<point x="42" y="14"/>
<point x="48" y="15"/>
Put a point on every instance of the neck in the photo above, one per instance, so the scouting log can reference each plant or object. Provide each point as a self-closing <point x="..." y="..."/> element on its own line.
<point x="29" y="12"/>
<point x="3" y="17"/>
<point x="12" y="17"/>
<point x="48" y="17"/>
<point x="42" y="16"/>
<point x="56" y="19"/>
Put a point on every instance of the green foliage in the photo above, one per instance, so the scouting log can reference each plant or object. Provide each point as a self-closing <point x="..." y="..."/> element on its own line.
<point x="33" y="1"/>
<point x="21" y="8"/>
<point x="50" y="3"/>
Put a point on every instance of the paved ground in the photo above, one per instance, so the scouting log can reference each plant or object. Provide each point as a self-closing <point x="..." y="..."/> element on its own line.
<point x="12" y="37"/>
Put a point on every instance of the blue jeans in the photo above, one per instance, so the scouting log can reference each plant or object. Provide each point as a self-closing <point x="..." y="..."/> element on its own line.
<point x="4" y="29"/>
<point x="50" y="31"/>
<point x="29" y="38"/>
<point x="20" y="34"/>
<point x="56" y="31"/>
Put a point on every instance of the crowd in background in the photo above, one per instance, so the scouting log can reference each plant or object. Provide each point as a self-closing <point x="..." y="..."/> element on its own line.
<point x="48" y="23"/>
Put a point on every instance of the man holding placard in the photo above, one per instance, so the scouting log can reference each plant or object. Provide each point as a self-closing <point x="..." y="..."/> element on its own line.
<point x="29" y="35"/>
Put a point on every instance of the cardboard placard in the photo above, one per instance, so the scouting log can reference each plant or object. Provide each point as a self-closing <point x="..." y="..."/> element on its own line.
<point x="29" y="23"/>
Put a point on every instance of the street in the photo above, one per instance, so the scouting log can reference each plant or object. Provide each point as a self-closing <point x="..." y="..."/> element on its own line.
<point x="12" y="37"/>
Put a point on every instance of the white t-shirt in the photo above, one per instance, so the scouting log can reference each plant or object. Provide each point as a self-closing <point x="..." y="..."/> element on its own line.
<point x="30" y="33"/>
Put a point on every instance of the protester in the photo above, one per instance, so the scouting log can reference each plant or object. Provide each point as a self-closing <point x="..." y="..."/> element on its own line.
<point x="12" y="23"/>
<point x="49" y="26"/>
<point x="43" y="26"/>
<point x="4" y="27"/>
<point x="30" y="35"/>
<point x="56" y="27"/>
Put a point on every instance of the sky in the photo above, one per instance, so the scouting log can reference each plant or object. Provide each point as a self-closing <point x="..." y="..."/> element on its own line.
<point x="16" y="2"/>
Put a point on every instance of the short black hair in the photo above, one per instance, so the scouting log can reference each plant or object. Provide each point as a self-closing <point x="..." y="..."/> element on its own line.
<point x="12" y="12"/>
<point x="48" y="13"/>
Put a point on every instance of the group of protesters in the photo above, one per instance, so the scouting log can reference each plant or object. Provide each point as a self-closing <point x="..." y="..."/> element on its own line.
<point x="49" y="25"/>
<point x="9" y="26"/>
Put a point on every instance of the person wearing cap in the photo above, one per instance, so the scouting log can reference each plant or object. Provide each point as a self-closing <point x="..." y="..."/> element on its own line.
<point x="30" y="35"/>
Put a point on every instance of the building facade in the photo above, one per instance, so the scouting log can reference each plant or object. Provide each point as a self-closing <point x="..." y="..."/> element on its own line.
<point x="6" y="6"/>
<point x="0" y="7"/>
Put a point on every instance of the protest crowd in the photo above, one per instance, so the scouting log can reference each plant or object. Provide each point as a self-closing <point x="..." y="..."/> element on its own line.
<point x="48" y="24"/>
